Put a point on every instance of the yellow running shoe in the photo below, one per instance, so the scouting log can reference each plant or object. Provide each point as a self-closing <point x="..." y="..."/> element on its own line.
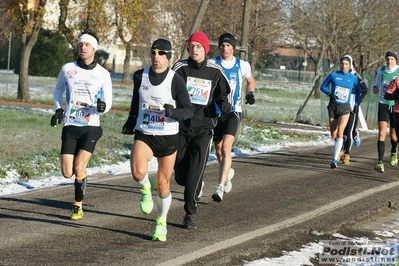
<point x="160" y="229"/>
<point x="341" y="156"/>
<point x="346" y="159"/>
<point x="394" y="159"/>
<point x="77" y="213"/>
<point x="146" y="203"/>
<point x="379" y="167"/>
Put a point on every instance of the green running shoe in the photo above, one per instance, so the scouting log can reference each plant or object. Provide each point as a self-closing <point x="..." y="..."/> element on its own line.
<point x="77" y="213"/>
<point x="146" y="203"/>
<point x="394" y="159"/>
<point x="160" y="230"/>
<point x="379" y="167"/>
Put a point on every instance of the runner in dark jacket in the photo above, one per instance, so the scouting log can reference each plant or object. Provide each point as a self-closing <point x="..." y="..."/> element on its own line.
<point x="206" y="84"/>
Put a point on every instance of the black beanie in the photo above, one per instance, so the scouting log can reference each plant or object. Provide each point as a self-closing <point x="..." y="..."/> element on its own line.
<point x="393" y="54"/>
<point x="227" y="37"/>
<point x="164" y="45"/>
<point x="347" y="59"/>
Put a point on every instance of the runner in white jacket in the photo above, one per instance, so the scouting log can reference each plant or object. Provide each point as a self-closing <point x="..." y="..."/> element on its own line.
<point x="88" y="92"/>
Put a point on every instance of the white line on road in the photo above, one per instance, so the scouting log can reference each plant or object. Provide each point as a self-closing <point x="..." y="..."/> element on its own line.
<point x="275" y="227"/>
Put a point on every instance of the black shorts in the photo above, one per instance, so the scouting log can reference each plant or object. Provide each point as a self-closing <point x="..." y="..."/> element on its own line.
<point x="227" y="124"/>
<point x="385" y="113"/>
<point x="337" y="110"/>
<point x="161" y="146"/>
<point x="79" y="138"/>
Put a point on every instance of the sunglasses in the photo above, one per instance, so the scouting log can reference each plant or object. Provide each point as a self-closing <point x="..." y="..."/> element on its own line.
<point x="160" y="52"/>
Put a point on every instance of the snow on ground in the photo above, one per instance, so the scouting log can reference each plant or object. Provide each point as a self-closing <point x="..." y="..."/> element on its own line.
<point x="11" y="185"/>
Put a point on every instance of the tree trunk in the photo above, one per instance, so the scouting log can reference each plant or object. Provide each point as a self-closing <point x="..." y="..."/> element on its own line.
<point x="27" y="45"/>
<point x="126" y="64"/>
<point x="23" y="83"/>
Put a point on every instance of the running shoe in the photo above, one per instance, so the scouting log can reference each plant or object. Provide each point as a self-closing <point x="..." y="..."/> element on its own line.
<point x="228" y="185"/>
<point x="334" y="164"/>
<point x="77" y="213"/>
<point x="346" y="159"/>
<point x="146" y="203"/>
<point x="160" y="230"/>
<point x="218" y="194"/>
<point x="188" y="221"/>
<point x="379" y="167"/>
<point x="341" y="155"/>
<point x="356" y="140"/>
<point x="202" y="190"/>
<point x="394" y="159"/>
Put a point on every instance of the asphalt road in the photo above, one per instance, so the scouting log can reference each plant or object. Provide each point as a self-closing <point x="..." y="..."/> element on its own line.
<point x="277" y="202"/>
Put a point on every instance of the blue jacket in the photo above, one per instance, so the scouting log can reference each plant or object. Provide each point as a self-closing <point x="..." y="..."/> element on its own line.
<point x="341" y="86"/>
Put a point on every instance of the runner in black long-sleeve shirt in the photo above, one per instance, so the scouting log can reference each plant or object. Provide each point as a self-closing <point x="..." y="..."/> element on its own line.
<point x="206" y="84"/>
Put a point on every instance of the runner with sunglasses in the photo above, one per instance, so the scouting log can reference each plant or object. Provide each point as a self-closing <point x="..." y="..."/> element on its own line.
<point x="160" y="101"/>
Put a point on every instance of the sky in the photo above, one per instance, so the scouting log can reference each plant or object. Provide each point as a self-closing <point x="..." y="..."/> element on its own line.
<point x="11" y="185"/>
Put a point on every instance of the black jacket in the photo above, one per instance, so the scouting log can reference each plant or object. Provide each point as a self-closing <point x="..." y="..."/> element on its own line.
<point x="205" y="116"/>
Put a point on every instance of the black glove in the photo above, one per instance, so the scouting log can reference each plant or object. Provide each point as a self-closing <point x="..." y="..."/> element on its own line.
<point x="355" y="109"/>
<point x="250" y="98"/>
<point x="224" y="106"/>
<point x="169" y="110"/>
<point x="333" y="98"/>
<point x="128" y="127"/>
<point x="57" y="117"/>
<point x="101" y="106"/>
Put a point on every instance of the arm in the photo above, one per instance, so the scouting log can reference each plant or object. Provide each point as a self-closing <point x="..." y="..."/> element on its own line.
<point x="250" y="84"/>
<point x="184" y="108"/>
<point x="128" y="127"/>
<point x="107" y="93"/>
<point x="377" y="81"/>
<point x="363" y="86"/>
<point x="225" y="99"/>
<point x="59" y="90"/>
<point x="324" y="85"/>
<point x="392" y="92"/>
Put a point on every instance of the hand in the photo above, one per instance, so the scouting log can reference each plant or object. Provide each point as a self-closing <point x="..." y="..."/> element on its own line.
<point x="169" y="110"/>
<point x="57" y="117"/>
<point x="355" y="109"/>
<point x="333" y="98"/>
<point x="101" y="106"/>
<point x="224" y="106"/>
<point x="128" y="127"/>
<point x="250" y="98"/>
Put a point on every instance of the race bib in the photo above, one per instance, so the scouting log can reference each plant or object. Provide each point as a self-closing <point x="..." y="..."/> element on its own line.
<point x="199" y="90"/>
<point x="79" y="114"/>
<point x="342" y="94"/>
<point x="153" y="119"/>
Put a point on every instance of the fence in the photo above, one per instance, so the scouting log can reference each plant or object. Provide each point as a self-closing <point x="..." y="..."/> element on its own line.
<point x="279" y="96"/>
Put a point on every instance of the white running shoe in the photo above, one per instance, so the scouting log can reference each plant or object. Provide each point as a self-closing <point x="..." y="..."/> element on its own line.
<point x="228" y="185"/>
<point x="218" y="194"/>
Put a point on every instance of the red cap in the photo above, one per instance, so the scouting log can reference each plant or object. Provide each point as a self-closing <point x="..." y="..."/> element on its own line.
<point x="200" y="37"/>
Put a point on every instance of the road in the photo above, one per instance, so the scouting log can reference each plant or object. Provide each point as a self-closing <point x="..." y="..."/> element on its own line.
<point x="277" y="202"/>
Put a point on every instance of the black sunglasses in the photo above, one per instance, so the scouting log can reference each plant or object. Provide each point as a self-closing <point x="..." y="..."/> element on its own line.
<point x="160" y="52"/>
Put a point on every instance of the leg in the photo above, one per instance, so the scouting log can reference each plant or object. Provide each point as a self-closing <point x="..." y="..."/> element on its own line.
<point x="141" y="154"/>
<point x="164" y="199"/>
<point x="225" y="161"/>
<point x="225" y="165"/>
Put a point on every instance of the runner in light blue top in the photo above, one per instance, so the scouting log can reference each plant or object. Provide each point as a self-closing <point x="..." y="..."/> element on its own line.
<point x="342" y="82"/>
